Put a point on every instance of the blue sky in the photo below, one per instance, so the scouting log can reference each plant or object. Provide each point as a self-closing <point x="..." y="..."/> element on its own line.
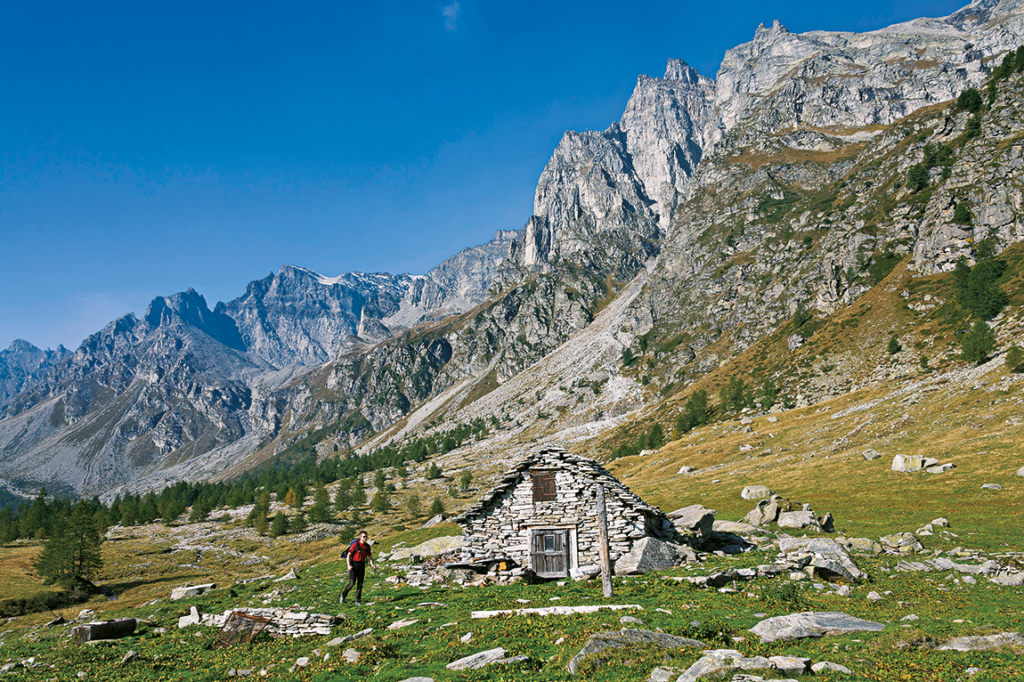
<point x="153" y="147"/>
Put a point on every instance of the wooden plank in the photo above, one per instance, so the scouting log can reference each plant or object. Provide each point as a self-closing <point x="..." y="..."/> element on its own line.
<point x="602" y="537"/>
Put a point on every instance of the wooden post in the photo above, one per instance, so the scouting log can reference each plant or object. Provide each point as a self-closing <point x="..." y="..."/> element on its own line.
<point x="602" y="536"/>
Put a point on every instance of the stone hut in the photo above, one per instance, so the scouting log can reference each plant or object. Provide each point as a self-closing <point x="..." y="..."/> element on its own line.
<point x="543" y="515"/>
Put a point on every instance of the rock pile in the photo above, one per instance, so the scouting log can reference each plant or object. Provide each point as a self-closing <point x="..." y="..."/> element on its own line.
<point x="788" y="514"/>
<point x="283" y="623"/>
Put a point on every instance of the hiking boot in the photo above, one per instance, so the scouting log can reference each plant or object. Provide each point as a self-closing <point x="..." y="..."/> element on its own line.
<point x="359" y="603"/>
<point x="342" y="600"/>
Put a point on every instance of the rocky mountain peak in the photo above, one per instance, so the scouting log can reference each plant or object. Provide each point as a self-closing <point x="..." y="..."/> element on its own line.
<point x="190" y="308"/>
<point x="678" y="70"/>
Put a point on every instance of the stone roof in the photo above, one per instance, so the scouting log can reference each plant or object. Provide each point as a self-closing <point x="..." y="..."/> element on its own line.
<point x="544" y="456"/>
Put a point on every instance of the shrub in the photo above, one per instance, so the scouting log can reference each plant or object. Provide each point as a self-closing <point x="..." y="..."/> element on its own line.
<point x="917" y="177"/>
<point x="973" y="127"/>
<point x="962" y="214"/>
<point x="894" y="346"/>
<point x="434" y="472"/>
<point x="465" y="480"/>
<point x="978" y="343"/>
<point x="414" y="506"/>
<point x="969" y="100"/>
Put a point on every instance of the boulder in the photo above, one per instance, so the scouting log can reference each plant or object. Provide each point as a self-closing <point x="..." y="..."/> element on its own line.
<point x="830" y="667"/>
<point x="686" y="470"/>
<point x="648" y="554"/>
<point x="109" y="629"/>
<point x="756" y="492"/>
<point x="870" y="454"/>
<point x="798" y="520"/>
<point x="811" y="624"/>
<point x="940" y="468"/>
<point x="716" y="663"/>
<point x="901" y="543"/>
<point x="980" y="643"/>
<point x="767" y="511"/>
<point x="434" y="520"/>
<point x="790" y="665"/>
<point x="907" y="463"/>
<point x="629" y="638"/>
<point x="1020" y="472"/>
<point x="695" y="521"/>
<point x="991" y="486"/>
<point x="478" y="660"/>
<point x="829" y="556"/>
<point x="290" y="575"/>
<point x="191" y="591"/>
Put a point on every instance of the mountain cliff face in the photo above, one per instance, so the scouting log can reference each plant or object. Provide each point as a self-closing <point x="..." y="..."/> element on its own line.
<point x="699" y="222"/>
<point x="299" y="317"/>
<point x="22" y="364"/>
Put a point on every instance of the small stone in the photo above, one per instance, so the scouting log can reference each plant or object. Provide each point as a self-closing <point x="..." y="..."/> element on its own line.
<point x="351" y="656"/>
<point x="630" y="619"/>
<point x="302" y="662"/>
<point x="991" y="486"/>
<point x="466" y="638"/>
<point x="664" y="674"/>
<point x="909" y="617"/>
<point x="874" y="596"/>
<point x="870" y="454"/>
<point x="130" y="656"/>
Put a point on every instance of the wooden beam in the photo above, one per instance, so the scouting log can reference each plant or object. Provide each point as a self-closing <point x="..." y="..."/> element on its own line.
<point x="602" y="535"/>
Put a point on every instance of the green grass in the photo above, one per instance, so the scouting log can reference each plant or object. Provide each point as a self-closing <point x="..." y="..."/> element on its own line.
<point x="424" y="648"/>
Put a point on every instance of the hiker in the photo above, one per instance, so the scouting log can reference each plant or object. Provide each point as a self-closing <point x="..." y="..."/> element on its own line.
<point x="356" y="557"/>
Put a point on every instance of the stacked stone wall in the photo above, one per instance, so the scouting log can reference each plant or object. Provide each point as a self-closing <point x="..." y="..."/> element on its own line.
<point x="504" y="527"/>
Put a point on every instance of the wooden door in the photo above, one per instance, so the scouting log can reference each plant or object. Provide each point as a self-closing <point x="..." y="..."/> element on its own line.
<point x="550" y="553"/>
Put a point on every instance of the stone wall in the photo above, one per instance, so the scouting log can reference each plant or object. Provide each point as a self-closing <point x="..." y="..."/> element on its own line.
<point x="502" y="523"/>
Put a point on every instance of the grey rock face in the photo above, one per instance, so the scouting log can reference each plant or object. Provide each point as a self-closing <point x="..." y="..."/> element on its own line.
<point x="648" y="554"/>
<point x="982" y="643"/>
<point x="696" y="521"/>
<point x="811" y="624"/>
<point x="756" y="492"/>
<point x="22" y="364"/>
<point x="907" y="463"/>
<point x="824" y="551"/>
<point x="478" y="660"/>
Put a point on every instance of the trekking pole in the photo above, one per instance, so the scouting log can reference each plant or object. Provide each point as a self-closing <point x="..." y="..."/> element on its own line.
<point x="380" y="585"/>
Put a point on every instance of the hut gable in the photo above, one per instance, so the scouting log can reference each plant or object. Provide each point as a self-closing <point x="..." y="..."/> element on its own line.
<point x="543" y="515"/>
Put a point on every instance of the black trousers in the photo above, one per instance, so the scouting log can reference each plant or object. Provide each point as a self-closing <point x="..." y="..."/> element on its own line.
<point x="355" y="577"/>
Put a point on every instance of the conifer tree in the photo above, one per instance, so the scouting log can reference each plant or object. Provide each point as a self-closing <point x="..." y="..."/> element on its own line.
<point x="978" y="343"/>
<point x="321" y="510"/>
<point x="71" y="555"/>
<point x="436" y="507"/>
<point x="279" y="526"/>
